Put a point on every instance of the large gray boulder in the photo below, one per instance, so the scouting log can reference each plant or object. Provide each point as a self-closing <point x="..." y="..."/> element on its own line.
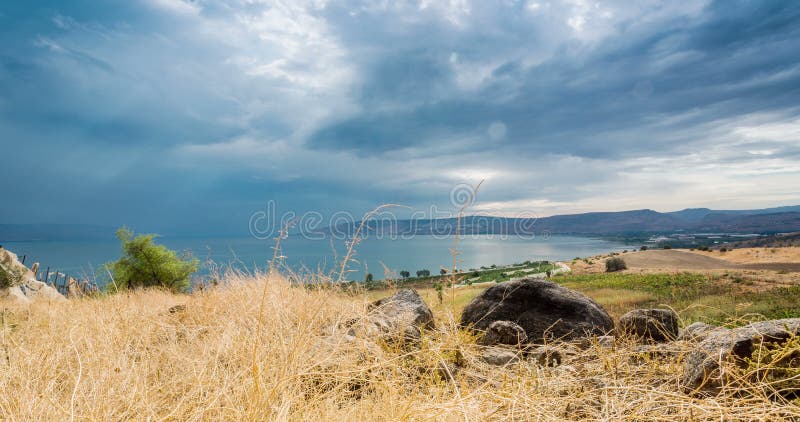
<point x="656" y="325"/>
<point x="545" y="310"/>
<point x="703" y="372"/>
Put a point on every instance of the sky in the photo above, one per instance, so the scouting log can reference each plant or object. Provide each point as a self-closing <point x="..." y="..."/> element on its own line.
<point x="190" y="116"/>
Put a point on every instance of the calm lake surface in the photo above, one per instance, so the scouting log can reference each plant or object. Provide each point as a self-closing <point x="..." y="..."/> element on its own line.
<point x="79" y="258"/>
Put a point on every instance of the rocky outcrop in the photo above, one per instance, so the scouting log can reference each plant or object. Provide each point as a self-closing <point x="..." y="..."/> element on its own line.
<point x="19" y="284"/>
<point x="545" y="310"/>
<point x="399" y="317"/>
<point x="656" y="325"/>
<point x="503" y="332"/>
<point x="705" y="367"/>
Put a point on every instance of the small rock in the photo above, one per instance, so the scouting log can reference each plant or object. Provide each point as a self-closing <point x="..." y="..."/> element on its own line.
<point x="499" y="356"/>
<point x="177" y="308"/>
<point x="606" y="342"/>
<point x="657" y="325"/>
<point x="503" y="332"/>
<point x="603" y="342"/>
<point x="546" y="356"/>
<point x="398" y="318"/>
<point x="404" y="307"/>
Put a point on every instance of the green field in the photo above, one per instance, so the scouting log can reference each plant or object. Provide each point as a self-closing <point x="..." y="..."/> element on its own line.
<point x="719" y="299"/>
<point x="484" y="274"/>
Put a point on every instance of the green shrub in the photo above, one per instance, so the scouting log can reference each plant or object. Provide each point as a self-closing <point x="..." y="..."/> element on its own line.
<point x="615" y="264"/>
<point x="146" y="264"/>
<point x="643" y="248"/>
<point x="667" y="247"/>
<point x="439" y="287"/>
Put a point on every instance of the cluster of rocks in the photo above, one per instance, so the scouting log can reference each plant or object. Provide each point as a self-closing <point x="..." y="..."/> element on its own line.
<point x="534" y="319"/>
<point x="20" y="284"/>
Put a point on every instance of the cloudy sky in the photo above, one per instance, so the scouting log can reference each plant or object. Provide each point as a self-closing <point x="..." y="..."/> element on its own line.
<point x="187" y="116"/>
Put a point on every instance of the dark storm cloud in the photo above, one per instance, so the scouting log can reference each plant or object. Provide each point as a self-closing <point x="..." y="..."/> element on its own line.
<point x="731" y="60"/>
<point x="185" y="116"/>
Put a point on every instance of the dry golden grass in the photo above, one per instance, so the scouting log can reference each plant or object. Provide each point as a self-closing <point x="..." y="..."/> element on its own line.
<point x="789" y="254"/>
<point x="260" y="349"/>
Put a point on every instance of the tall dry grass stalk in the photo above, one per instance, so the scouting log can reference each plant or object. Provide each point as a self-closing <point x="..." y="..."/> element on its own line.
<point x="454" y="251"/>
<point x="349" y="256"/>
<point x="127" y="357"/>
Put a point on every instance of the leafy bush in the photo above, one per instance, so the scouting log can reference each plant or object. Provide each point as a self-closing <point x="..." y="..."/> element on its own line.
<point x="643" y="248"/>
<point x="667" y="247"/>
<point x="615" y="264"/>
<point x="146" y="264"/>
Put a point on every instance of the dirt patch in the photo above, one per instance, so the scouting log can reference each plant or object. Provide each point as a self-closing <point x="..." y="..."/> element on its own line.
<point x="685" y="260"/>
<point x="789" y="255"/>
<point x="675" y="260"/>
<point x="774" y="266"/>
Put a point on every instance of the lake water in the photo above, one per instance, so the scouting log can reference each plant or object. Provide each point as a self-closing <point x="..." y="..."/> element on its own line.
<point x="78" y="258"/>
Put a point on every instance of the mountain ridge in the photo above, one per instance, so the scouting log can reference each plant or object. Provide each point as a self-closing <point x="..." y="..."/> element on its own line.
<point x="757" y="221"/>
